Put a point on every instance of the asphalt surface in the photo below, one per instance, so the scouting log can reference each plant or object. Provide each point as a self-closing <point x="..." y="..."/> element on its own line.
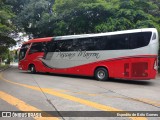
<point x="23" y="91"/>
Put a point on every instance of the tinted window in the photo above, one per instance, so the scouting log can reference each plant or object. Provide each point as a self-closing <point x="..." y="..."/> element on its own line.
<point x="84" y="44"/>
<point x="90" y="44"/>
<point x="36" y="47"/>
<point x="49" y="46"/>
<point x="23" y="51"/>
<point x="64" y="45"/>
<point x="154" y="36"/>
<point x="117" y="42"/>
<point x="55" y="45"/>
<point x="100" y="42"/>
<point x="138" y="40"/>
<point x="103" y="43"/>
<point x="112" y="42"/>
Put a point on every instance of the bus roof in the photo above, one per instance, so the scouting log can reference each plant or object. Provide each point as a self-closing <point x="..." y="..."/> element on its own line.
<point x="102" y="34"/>
<point x="88" y="35"/>
<point x="39" y="40"/>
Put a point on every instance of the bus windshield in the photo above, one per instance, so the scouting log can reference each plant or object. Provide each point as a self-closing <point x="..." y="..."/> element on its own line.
<point x="23" y="51"/>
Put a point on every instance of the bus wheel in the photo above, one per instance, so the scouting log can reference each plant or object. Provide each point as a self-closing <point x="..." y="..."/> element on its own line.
<point x="101" y="74"/>
<point x="32" y="69"/>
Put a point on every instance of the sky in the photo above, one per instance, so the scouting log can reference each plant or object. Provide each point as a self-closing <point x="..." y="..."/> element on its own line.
<point x="20" y="39"/>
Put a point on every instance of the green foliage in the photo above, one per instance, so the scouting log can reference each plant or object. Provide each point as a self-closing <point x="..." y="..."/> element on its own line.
<point x="5" y="43"/>
<point x="17" y="5"/>
<point x="6" y="27"/>
<point x="3" y="66"/>
<point x="94" y="16"/>
<point x="34" y="16"/>
<point x="6" y="14"/>
<point x="44" y="18"/>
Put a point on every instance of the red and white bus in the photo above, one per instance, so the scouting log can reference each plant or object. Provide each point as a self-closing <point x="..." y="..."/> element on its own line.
<point x="129" y="54"/>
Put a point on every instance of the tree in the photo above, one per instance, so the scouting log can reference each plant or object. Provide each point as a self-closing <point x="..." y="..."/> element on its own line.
<point x="75" y="17"/>
<point x="6" y="27"/>
<point x="34" y="17"/>
<point x="132" y="14"/>
<point x="17" y="5"/>
<point x="44" y="18"/>
<point x="83" y="16"/>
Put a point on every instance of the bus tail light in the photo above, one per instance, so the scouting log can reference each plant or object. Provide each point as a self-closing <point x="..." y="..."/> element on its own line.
<point x="156" y="64"/>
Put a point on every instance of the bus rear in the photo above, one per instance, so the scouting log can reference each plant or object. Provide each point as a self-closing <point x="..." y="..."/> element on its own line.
<point x="140" y="61"/>
<point x="148" y="67"/>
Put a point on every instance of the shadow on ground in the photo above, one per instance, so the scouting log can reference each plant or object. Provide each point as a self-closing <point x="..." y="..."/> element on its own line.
<point x="136" y="82"/>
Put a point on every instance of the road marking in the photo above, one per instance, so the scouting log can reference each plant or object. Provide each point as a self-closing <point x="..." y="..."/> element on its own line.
<point x="21" y="105"/>
<point x="144" y="100"/>
<point x="72" y="98"/>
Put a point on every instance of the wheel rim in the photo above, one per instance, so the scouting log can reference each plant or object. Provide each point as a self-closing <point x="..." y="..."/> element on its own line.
<point x="101" y="74"/>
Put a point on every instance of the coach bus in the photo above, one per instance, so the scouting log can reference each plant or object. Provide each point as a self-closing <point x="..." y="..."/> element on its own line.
<point x="129" y="54"/>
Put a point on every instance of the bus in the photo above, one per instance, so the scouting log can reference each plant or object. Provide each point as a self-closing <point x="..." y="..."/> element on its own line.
<point x="128" y="54"/>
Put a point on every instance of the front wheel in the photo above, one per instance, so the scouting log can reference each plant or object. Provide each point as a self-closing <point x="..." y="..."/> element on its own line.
<point x="101" y="74"/>
<point x="32" y="69"/>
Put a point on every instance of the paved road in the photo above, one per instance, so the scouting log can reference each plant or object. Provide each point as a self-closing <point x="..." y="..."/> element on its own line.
<point x="22" y="91"/>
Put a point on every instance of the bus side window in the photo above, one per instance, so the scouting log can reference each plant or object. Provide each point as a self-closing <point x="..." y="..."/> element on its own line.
<point x="47" y="46"/>
<point x="87" y="44"/>
<point x="36" y="47"/>
<point x="44" y="47"/>
<point x="91" y="44"/>
<point x="67" y="45"/>
<point x="79" y="44"/>
<point x="154" y="36"/>
<point x="138" y="40"/>
<point x="100" y="42"/>
<point x="118" y="42"/>
<point x="50" y="46"/>
<point x="75" y="45"/>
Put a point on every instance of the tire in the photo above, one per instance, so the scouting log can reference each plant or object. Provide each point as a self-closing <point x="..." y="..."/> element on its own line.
<point x="32" y="69"/>
<point x="101" y="74"/>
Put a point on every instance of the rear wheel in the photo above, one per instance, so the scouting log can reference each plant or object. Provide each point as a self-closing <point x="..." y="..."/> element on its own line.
<point x="32" y="69"/>
<point x="101" y="74"/>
